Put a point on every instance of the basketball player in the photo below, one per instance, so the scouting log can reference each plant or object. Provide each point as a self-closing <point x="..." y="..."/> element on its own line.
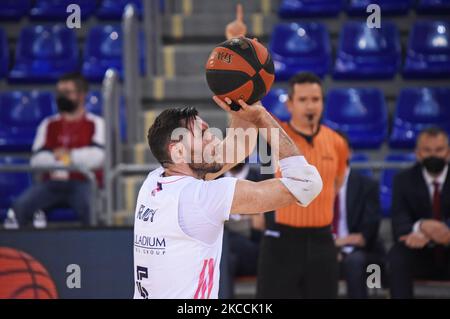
<point x="180" y="215"/>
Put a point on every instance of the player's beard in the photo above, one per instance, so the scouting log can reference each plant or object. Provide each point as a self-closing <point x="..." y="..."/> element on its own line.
<point x="201" y="169"/>
<point x="205" y="167"/>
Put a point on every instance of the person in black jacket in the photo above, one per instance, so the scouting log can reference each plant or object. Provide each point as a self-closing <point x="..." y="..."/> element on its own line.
<point x="421" y="215"/>
<point x="355" y="227"/>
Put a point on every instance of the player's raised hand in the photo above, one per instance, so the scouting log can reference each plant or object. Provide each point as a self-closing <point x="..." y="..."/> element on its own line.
<point x="236" y="28"/>
<point x="250" y="113"/>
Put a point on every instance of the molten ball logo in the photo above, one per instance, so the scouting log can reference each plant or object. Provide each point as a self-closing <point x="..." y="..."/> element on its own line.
<point x="23" y="277"/>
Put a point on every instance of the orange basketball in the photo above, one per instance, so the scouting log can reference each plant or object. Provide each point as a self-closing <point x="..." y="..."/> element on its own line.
<point x="23" y="277"/>
<point x="240" y="68"/>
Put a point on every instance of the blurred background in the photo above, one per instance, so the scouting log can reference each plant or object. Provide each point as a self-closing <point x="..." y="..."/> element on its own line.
<point x="382" y="86"/>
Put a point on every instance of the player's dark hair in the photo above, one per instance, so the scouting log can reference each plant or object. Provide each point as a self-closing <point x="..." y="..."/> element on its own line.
<point x="302" y="78"/>
<point x="80" y="81"/>
<point x="159" y="134"/>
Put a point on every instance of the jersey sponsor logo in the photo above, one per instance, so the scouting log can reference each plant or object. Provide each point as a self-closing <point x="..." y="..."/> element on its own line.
<point x="141" y="272"/>
<point x="146" y="213"/>
<point x="157" y="189"/>
<point x="205" y="280"/>
<point x="148" y="245"/>
<point x="149" y="242"/>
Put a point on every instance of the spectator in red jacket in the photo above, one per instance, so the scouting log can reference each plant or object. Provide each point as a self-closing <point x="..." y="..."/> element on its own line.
<point x="71" y="137"/>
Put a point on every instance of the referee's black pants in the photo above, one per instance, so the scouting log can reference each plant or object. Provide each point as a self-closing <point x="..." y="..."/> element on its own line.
<point x="298" y="263"/>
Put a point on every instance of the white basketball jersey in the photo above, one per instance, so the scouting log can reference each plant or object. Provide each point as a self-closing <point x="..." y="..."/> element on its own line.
<point x="168" y="263"/>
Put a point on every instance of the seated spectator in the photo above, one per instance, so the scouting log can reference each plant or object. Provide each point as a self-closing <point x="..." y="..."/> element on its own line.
<point x="356" y="221"/>
<point x="71" y="137"/>
<point x="421" y="216"/>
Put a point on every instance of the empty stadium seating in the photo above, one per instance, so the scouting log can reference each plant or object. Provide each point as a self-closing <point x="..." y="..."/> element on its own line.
<point x="104" y="49"/>
<point x="11" y="184"/>
<point x="20" y="114"/>
<point x="433" y="6"/>
<point x="94" y="104"/>
<point x="56" y="9"/>
<point x="14" y="9"/>
<point x="113" y="9"/>
<point x="386" y="179"/>
<point x="416" y="109"/>
<point x="4" y="54"/>
<point x="394" y="7"/>
<point x="360" y="113"/>
<point x="368" y="53"/>
<point x="275" y="103"/>
<point x="428" y="54"/>
<point x="44" y="53"/>
<point x="309" y="8"/>
<point x="299" y="47"/>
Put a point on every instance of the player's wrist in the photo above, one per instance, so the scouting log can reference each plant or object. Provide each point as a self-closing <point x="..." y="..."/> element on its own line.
<point x="262" y="118"/>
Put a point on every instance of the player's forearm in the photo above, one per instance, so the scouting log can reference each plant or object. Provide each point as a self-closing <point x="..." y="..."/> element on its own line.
<point x="280" y="142"/>
<point x="260" y="197"/>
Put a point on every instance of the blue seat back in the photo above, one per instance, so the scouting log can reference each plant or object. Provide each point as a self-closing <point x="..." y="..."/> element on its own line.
<point x="359" y="40"/>
<point x="299" y="40"/>
<point x="275" y="103"/>
<point x="358" y="7"/>
<point x="361" y="113"/>
<point x="14" y="9"/>
<point x="418" y="108"/>
<point x="20" y="114"/>
<point x="47" y="43"/>
<point x="430" y="37"/>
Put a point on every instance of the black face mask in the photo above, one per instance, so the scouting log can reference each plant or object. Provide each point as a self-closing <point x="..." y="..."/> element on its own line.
<point x="65" y="105"/>
<point x="433" y="164"/>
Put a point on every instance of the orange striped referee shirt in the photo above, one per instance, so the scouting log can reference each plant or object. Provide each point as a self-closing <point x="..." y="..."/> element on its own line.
<point x="328" y="152"/>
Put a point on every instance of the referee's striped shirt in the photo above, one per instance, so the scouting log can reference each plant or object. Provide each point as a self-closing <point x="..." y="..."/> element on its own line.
<point x="328" y="152"/>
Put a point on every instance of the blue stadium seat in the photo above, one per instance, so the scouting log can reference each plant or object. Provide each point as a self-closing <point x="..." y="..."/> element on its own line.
<point x="433" y="6"/>
<point x="94" y="104"/>
<point x="428" y="54"/>
<point x="275" y="103"/>
<point x="13" y="10"/>
<point x="368" y="53"/>
<point x="389" y="7"/>
<point x="20" y="114"/>
<point x="61" y="214"/>
<point x="299" y="47"/>
<point x="418" y="108"/>
<point x="4" y="54"/>
<point x="361" y="158"/>
<point x="113" y="9"/>
<point x="359" y="113"/>
<point x="44" y="53"/>
<point x="104" y="50"/>
<point x="56" y="9"/>
<point x="309" y="8"/>
<point x="387" y="177"/>
<point x="12" y="184"/>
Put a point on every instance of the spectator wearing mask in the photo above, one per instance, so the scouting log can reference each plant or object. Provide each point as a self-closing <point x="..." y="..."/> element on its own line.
<point x="421" y="215"/>
<point x="71" y="137"/>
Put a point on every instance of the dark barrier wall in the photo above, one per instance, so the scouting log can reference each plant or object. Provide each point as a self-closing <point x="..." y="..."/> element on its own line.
<point x="104" y="257"/>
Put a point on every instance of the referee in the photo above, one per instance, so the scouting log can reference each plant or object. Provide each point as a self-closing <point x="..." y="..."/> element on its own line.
<point x="298" y="257"/>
